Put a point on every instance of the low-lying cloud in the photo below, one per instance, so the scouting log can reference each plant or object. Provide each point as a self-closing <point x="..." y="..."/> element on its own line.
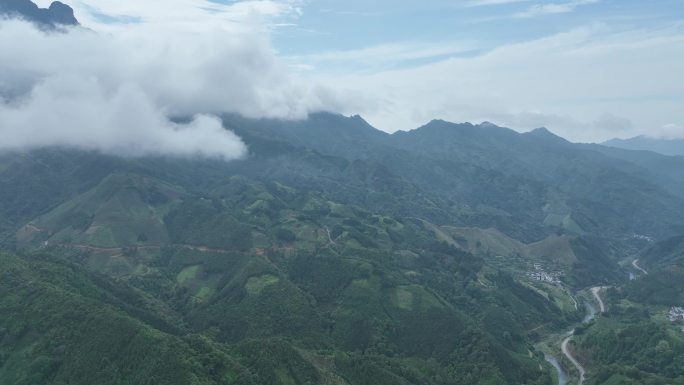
<point x="117" y="92"/>
<point x="75" y="112"/>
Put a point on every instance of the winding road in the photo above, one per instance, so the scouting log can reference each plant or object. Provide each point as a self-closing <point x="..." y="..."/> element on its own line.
<point x="566" y="352"/>
<point x="574" y="301"/>
<point x="595" y="292"/>
<point x="332" y="242"/>
<point x="635" y="263"/>
<point x="564" y="346"/>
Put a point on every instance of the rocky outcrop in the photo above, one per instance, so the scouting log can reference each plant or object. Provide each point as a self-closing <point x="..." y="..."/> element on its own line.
<point x="58" y="14"/>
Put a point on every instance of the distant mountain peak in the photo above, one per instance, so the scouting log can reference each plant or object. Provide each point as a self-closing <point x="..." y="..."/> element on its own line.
<point x="62" y="13"/>
<point x="488" y="124"/>
<point x="446" y="122"/>
<point x="441" y="124"/>
<point x="541" y="131"/>
<point x="57" y="14"/>
<point x="353" y="123"/>
<point x="545" y="133"/>
<point x="670" y="147"/>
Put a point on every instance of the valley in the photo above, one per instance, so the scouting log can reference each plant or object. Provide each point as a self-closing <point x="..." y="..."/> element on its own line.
<point x="313" y="263"/>
<point x="186" y="199"/>
<point x="591" y="314"/>
<point x="578" y="366"/>
<point x="564" y="346"/>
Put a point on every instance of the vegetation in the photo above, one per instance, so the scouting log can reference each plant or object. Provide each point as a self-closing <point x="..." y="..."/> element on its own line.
<point x="335" y="254"/>
<point x="635" y="342"/>
<point x="630" y="346"/>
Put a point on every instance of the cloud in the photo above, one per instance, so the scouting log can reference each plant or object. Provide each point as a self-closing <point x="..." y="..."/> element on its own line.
<point x="188" y="13"/>
<point x="482" y="3"/>
<point x="615" y="125"/>
<point x="553" y="8"/>
<point x="380" y="57"/>
<point x="668" y="131"/>
<point x="116" y="91"/>
<point x="588" y="84"/>
<point x="74" y="112"/>
<point x="199" y="58"/>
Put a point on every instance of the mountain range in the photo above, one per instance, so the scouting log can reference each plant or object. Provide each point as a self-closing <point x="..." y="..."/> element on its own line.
<point x="333" y="253"/>
<point x="338" y="254"/>
<point x="673" y="147"/>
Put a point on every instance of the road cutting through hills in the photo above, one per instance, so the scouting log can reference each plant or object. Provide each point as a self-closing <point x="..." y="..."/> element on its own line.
<point x="595" y="291"/>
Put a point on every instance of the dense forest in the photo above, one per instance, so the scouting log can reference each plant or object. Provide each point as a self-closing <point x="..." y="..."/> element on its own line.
<point x="155" y="230"/>
<point x="309" y="264"/>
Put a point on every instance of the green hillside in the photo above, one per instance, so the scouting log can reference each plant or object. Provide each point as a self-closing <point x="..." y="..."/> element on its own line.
<point x="121" y="210"/>
<point x="636" y="341"/>
<point x="250" y="261"/>
<point x="62" y="326"/>
<point x="333" y="254"/>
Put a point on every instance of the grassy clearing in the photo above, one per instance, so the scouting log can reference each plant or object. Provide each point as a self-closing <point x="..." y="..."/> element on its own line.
<point x="413" y="297"/>
<point x="255" y="285"/>
<point x="187" y="274"/>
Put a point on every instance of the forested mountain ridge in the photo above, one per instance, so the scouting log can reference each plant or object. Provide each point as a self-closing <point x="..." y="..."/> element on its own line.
<point x="529" y="183"/>
<point x="674" y="147"/>
<point x="333" y="253"/>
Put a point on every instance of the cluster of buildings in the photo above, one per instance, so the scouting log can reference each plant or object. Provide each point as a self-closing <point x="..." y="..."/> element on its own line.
<point x="676" y="314"/>
<point x="539" y="274"/>
<point x="643" y="238"/>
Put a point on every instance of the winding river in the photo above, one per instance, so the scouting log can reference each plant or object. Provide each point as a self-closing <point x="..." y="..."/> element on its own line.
<point x="591" y="312"/>
<point x="562" y="376"/>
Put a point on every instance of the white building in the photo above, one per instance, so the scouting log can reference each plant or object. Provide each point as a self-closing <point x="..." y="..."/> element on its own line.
<point x="676" y="314"/>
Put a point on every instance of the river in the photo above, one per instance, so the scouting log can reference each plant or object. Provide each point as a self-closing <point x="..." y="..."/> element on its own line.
<point x="562" y="376"/>
<point x="590" y="314"/>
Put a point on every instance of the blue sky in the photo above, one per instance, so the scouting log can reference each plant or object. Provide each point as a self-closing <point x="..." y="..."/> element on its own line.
<point x="587" y="69"/>
<point x="331" y="25"/>
<point x="327" y="24"/>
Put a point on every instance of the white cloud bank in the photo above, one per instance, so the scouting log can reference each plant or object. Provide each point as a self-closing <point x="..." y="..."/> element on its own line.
<point x="114" y="91"/>
<point x="588" y="84"/>
<point x="73" y="112"/>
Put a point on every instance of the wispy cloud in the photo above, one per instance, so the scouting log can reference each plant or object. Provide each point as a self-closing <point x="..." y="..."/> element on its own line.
<point x="553" y="8"/>
<point x="590" y="83"/>
<point x="482" y="3"/>
<point x="381" y="57"/>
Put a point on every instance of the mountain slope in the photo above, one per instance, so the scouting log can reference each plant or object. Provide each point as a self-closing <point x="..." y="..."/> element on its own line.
<point x="338" y="252"/>
<point x="485" y="176"/>
<point x="54" y="314"/>
<point x="121" y="210"/>
<point x="248" y="261"/>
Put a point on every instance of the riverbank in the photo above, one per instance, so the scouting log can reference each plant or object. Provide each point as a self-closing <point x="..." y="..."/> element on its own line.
<point x="578" y="366"/>
<point x="564" y="377"/>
